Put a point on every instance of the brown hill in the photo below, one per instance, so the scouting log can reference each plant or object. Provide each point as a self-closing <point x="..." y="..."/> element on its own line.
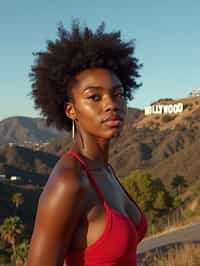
<point x="21" y="130"/>
<point x="184" y="162"/>
<point x="165" y="147"/>
<point x="32" y="166"/>
<point x="191" y="109"/>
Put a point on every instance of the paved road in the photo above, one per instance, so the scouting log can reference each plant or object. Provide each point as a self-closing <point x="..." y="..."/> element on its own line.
<point x="187" y="233"/>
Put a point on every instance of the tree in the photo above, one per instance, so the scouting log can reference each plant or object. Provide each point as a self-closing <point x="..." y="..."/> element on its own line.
<point x="40" y="167"/>
<point x="178" y="201"/>
<point x="22" y="253"/>
<point x="2" y="168"/>
<point x="159" y="202"/>
<point x="17" y="199"/>
<point x="10" y="230"/>
<point x="196" y="188"/>
<point x="138" y="185"/>
<point x="163" y="200"/>
<point x="149" y="192"/>
<point x="178" y="183"/>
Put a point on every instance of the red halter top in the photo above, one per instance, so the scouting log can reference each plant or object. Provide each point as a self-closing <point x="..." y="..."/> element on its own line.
<point x="117" y="244"/>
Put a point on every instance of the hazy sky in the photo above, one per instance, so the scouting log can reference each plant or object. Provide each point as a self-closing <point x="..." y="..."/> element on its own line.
<point x="167" y="37"/>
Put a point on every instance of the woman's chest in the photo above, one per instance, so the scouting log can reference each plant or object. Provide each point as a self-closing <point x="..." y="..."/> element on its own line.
<point x="94" y="220"/>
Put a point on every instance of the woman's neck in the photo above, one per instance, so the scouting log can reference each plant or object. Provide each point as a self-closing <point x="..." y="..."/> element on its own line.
<point x="95" y="152"/>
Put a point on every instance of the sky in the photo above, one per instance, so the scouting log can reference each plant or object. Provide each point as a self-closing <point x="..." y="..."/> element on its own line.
<point x="166" y="33"/>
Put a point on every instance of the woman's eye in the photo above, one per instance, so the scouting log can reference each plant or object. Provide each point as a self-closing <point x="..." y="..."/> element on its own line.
<point x="95" y="97"/>
<point x="120" y="94"/>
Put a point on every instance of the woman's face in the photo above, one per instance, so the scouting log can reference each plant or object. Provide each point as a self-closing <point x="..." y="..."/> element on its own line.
<point x="99" y="105"/>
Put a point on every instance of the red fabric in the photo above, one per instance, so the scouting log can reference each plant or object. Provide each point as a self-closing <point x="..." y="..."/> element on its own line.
<point x="117" y="244"/>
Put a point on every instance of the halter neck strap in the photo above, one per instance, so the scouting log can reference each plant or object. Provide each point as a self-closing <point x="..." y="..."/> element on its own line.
<point x="89" y="174"/>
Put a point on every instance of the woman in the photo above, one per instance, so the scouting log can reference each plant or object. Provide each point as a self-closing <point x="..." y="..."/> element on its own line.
<point x="84" y="216"/>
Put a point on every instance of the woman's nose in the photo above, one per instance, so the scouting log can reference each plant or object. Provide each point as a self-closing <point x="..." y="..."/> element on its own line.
<point x="111" y="104"/>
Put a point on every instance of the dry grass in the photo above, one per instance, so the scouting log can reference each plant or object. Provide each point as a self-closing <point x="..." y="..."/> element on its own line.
<point x="187" y="254"/>
<point x="175" y="222"/>
<point x="175" y="226"/>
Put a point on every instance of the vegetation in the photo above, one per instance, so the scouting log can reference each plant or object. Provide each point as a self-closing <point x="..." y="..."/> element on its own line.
<point x="22" y="253"/>
<point x="169" y="206"/>
<point x="165" y="210"/>
<point x="31" y="166"/>
<point x="17" y="199"/>
<point x="196" y="188"/>
<point x="149" y="192"/>
<point x="162" y="100"/>
<point x="14" y="241"/>
<point x="184" y="255"/>
<point x="168" y="118"/>
<point x="178" y="183"/>
<point x="10" y="231"/>
<point x="188" y="105"/>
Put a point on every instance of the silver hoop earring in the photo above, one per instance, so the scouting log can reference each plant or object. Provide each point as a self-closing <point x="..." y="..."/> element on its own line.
<point x="73" y="130"/>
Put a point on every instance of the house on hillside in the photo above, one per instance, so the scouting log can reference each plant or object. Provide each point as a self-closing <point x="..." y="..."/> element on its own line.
<point x="2" y="177"/>
<point x="15" y="178"/>
<point x="195" y="92"/>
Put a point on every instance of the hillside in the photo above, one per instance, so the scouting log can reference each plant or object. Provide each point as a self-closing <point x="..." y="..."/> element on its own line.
<point x="164" y="147"/>
<point x="163" y="150"/>
<point x="191" y="107"/>
<point x="32" y="166"/>
<point x="22" y="130"/>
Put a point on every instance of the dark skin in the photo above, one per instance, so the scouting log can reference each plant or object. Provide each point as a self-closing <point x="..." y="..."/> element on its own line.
<point x="70" y="214"/>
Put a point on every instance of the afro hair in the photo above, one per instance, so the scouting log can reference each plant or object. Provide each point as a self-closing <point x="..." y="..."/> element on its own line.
<point x="53" y="71"/>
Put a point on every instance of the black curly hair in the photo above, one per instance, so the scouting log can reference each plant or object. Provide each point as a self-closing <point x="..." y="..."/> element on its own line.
<point x="53" y="72"/>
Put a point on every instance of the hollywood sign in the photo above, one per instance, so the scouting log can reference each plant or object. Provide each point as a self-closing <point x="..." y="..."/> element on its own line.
<point x="164" y="109"/>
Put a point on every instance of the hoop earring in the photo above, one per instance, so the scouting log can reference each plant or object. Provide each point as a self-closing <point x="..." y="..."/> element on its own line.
<point x="73" y="130"/>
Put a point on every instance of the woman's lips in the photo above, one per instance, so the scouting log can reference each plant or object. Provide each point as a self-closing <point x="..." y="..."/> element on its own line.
<point x="113" y="123"/>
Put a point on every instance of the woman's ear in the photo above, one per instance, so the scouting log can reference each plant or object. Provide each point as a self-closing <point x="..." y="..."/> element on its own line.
<point x="69" y="110"/>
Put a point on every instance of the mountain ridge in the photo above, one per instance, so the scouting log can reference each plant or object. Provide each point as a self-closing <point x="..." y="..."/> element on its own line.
<point x="165" y="148"/>
<point x="21" y="130"/>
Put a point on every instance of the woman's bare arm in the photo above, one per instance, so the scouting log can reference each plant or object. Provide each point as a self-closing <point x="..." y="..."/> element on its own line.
<point x="59" y="209"/>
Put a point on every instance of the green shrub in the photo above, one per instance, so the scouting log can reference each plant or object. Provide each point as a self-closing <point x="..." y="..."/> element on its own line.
<point x="177" y="202"/>
<point x="188" y="213"/>
<point x="168" y="118"/>
<point x="149" y="192"/>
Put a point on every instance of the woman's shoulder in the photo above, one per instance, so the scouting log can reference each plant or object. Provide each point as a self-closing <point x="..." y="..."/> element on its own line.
<point x="60" y="207"/>
<point x="68" y="171"/>
<point x="64" y="187"/>
<point x="65" y="179"/>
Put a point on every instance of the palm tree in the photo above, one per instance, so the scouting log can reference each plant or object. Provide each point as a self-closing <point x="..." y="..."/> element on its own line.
<point x="11" y="228"/>
<point x="22" y="253"/>
<point x="17" y="199"/>
<point x="178" y="183"/>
